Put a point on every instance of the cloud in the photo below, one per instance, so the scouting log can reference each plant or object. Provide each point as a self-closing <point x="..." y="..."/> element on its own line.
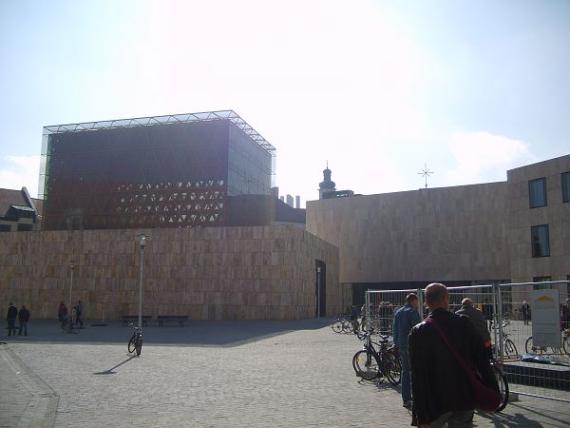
<point x="482" y="157"/>
<point x="19" y="171"/>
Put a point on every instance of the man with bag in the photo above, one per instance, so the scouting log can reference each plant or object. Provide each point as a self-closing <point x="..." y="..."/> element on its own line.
<point x="451" y="373"/>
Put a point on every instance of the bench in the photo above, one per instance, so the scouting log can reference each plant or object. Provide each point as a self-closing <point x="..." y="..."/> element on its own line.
<point x="135" y="319"/>
<point x="180" y="319"/>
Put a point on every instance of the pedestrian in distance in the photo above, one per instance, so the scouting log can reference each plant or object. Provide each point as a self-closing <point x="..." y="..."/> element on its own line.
<point x="525" y="309"/>
<point x="23" y="318"/>
<point x="11" y="319"/>
<point x="62" y="315"/>
<point x="78" y="314"/>
<point x="442" y="347"/>
<point x="405" y="318"/>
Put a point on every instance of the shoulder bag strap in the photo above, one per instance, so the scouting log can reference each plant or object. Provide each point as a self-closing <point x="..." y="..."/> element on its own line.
<point x="458" y="357"/>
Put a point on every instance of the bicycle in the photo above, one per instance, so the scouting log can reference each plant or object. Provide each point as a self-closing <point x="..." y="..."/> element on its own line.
<point x="136" y="341"/>
<point x="370" y="364"/>
<point x="509" y="347"/>
<point x="496" y="366"/>
<point x="530" y="348"/>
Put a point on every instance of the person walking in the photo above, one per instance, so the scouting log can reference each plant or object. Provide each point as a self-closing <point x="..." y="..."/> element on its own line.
<point x="23" y="318"/>
<point x="441" y="386"/>
<point x="404" y="319"/>
<point x="11" y="319"/>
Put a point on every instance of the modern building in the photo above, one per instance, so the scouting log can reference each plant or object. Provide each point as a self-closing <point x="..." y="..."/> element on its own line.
<point x="163" y="171"/>
<point x="517" y="230"/>
<point x="221" y="246"/>
<point x="18" y="211"/>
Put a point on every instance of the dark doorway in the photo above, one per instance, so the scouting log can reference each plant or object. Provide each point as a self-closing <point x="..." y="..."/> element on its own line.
<point x="321" y="288"/>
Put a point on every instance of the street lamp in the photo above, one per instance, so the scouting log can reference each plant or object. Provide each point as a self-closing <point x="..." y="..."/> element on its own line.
<point x="142" y="238"/>
<point x="318" y="292"/>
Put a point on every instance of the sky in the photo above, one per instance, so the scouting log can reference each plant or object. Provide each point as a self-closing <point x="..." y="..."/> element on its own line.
<point x="377" y="89"/>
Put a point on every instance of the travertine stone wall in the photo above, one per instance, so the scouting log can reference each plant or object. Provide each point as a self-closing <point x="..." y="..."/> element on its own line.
<point x="556" y="214"/>
<point x="206" y="273"/>
<point x="452" y="233"/>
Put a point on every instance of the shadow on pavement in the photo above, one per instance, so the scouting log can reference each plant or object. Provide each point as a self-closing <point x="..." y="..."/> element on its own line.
<point x="195" y="333"/>
<point x="110" y="371"/>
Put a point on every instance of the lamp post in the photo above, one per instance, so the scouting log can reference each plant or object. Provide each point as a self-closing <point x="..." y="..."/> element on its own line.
<point x="71" y="268"/>
<point x="142" y="242"/>
<point x="318" y="292"/>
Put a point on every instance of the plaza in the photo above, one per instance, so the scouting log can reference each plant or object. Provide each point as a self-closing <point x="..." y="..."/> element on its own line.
<point x="209" y="374"/>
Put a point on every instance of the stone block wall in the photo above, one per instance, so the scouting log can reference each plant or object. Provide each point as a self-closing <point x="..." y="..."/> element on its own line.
<point x="206" y="273"/>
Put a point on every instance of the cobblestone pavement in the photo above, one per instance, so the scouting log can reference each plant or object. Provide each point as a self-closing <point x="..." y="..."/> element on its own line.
<point x="241" y="374"/>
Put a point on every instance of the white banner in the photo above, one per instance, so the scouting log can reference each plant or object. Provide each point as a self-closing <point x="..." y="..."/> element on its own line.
<point x="545" y="310"/>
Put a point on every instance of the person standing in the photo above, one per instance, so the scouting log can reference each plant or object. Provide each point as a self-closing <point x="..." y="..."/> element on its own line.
<point x="23" y="318"/>
<point x="440" y="385"/>
<point x="79" y="313"/>
<point x="405" y="318"/>
<point x="11" y="319"/>
<point x="525" y="309"/>
<point x="477" y="319"/>
<point x="62" y="314"/>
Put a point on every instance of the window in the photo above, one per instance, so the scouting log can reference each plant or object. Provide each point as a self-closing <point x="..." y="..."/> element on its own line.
<point x="565" y="186"/>
<point x="542" y="279"/>
<point x="540" y="241"/>
<point x="537" y="193"/>
<point x="23" y="227"/>
<point x="5" y="228"/>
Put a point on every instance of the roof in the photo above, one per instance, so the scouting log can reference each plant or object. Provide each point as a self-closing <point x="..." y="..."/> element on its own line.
<point x="9" y="197"/>
<point x="15" y="198"/>
<point x="163" y="120"/>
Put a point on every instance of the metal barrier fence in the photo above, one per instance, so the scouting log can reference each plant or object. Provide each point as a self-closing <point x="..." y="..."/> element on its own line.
<point x="537" y="371"/>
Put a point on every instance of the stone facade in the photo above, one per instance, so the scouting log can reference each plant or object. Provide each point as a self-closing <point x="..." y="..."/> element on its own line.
<point x="465" y="234"/>
<point x="556" y="214"/>
<point x="417" y="235"/>
<point x="206" y="273"/>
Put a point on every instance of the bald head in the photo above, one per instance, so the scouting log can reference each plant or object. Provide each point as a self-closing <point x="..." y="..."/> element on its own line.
<point x="436" y="296"/>
<point x="467" y="302"/>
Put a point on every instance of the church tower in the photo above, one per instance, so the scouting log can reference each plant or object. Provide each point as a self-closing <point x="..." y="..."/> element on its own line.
<point x="327" y="185"/>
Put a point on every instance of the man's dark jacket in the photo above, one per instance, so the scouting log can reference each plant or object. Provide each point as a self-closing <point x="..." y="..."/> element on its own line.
<point x="439" y="383"/>
<point x="12" y="313"/>
<point x="24" y="315"/>
<point x="477" y="319"/>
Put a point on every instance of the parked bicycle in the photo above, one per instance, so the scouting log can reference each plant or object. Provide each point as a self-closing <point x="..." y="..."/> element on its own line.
<point x="377" y="360"/>
<point x="497" y="368"/>
<point x="509" y="347"/>
<point x="136" y="340"/>
<point x="531" y="348"/>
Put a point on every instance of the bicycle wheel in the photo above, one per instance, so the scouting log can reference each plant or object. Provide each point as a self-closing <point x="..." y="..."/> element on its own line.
<point x="347" y="326"/>
<point x="366" y="365"/>
<point x="138" y="345"/>
<point x="503" y="387"/>
<point x="511" y="349"/>
<point x="391" y="368"/>
<point x="531" y="349"/>
<point x="566" y="344"/>
<point x="131" y="346"/>
<point x="337" y="326"/>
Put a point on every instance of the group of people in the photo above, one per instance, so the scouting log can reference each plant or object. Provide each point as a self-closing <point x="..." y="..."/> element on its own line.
<point x="75" y="318"/>
<point x="22" y="315"/>
<point x="434" y="353"/>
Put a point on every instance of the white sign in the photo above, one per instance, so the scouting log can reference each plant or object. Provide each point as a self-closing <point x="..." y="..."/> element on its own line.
<point x="545" y="310"/>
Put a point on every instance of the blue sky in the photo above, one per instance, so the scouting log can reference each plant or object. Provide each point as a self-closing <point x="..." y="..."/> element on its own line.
<point x="377" y="88"/>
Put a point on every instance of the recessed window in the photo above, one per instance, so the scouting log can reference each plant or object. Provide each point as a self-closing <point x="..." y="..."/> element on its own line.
<point x="537" y="192"/>
<point x="540" y="241"/>
<point x="24" y="227"/>
<point x="565" y="186"/>
<point x="5" y="228"/>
